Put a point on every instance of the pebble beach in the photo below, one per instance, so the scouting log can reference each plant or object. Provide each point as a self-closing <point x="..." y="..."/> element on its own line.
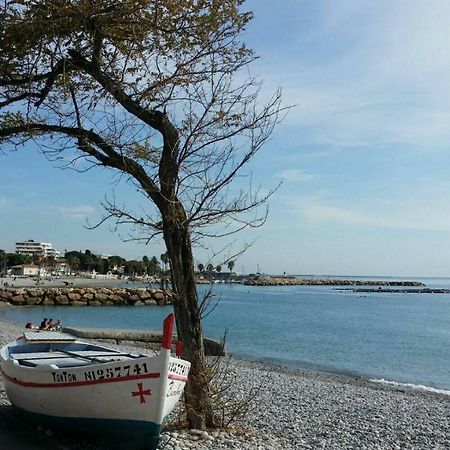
<point x="292" y="409"/>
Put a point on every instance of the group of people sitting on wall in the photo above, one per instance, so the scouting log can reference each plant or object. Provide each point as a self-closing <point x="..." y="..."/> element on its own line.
<point x="49" y="325"/>
<point x="46" y="325"/>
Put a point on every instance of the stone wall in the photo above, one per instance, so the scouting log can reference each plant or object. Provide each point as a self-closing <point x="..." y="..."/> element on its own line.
<point x="86" y="296"/>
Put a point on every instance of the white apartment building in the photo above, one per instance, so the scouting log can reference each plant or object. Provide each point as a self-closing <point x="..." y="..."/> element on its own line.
<point x="32" y="248"/>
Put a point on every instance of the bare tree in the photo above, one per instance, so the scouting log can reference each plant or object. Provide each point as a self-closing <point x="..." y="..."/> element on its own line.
<point x="158" y="90"/>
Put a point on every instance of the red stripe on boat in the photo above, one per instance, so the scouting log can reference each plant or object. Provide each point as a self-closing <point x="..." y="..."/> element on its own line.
<point x="80" y="383"/>
<point x="173" y="376"/>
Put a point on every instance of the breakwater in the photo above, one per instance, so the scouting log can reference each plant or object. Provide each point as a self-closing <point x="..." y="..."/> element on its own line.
<point x="290" y="281"/>
<point x="381" y="290"/>
<point x="86" y="296"/>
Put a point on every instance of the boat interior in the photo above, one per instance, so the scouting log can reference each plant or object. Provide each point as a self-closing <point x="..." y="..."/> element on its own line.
<point x="63" y="352"/>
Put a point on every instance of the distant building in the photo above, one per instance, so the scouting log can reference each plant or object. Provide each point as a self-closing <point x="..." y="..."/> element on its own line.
<point x="61" y="267"/>
<point x="21" y="270"/>
<point x="104" y="256"/>
<point x="33" y="248"/>
<point x="116" y="269"/>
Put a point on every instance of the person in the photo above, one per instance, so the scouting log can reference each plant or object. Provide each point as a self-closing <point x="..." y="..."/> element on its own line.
<point x="43" y="324"/>
<point x="58" y="326"/>
<point x="50" y="325"/>
<point x="29" y="325"/>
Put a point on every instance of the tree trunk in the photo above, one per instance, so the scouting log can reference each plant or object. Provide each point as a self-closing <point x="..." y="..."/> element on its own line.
<point x="187" y="315"/>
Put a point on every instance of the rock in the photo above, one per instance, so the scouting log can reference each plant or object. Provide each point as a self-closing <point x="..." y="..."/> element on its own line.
<point x="95" y="303"/>
<point x="17" y="300"/>
<point x="6" y="295"/>
<point x="35" y="292"/>
<point x="33" y="300"/>
<point x="213" y="348"/>
<point x="73" y="296"/>
<point x="61" y="300"/>
<point x="144" y="294"/>
<point x="78" y="303"/>
<point x="104" y="291"/>
<point x="47" y="301"/>
<point x="115" y="299"/>
<point x="132" y="299"/>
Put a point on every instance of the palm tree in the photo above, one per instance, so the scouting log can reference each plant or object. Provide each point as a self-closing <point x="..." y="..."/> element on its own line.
<point x="219" y="268"/>
<point x="153" y="266"/>
<point x="201" y="267"/>
<point x="209" y="267"/>
<point x="165" y="260"/>
<point x="230" y="268"/>
<point x="145" y="262"/>
<point x="3" y="260"/>
<point x="74" y="263"/>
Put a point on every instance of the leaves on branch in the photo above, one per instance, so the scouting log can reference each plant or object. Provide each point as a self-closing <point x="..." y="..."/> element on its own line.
<point x="147" y="87"/>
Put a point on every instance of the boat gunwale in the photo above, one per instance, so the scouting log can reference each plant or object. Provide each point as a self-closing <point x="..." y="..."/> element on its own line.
<point x="8" y="351"/>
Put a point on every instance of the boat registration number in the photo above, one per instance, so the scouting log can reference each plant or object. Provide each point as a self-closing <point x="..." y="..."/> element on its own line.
<point x="115" y="372"/>
<point x="101" y="373"/>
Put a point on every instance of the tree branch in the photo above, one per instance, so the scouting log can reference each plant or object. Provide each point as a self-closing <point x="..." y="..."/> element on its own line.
<point x="52" y="76"/>
<point x="87" y="140"/>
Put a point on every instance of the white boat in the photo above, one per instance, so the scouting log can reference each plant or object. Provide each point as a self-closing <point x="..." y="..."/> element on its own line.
<point x="57" y="380"/>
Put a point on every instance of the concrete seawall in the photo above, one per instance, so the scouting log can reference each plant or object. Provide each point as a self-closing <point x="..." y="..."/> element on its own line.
<point x="86" y="296"/>
<point x="146" y="339"/>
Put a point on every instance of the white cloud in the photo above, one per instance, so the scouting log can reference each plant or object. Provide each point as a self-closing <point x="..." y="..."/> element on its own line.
<point x="295" y="176"/>
<point x="376" y="74"/>
<point x="75" y="212"/>
<point x="317" y="212"/>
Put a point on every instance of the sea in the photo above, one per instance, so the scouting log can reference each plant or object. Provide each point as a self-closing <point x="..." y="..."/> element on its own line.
<point x="402" y="339"/>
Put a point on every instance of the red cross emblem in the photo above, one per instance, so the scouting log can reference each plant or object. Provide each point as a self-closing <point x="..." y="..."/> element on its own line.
<point x="141" y="393"/>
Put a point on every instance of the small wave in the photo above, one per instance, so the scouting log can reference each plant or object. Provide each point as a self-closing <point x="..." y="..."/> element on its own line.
<point x="418" y="387"/>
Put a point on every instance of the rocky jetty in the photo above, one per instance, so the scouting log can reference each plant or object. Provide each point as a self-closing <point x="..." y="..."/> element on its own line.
<point x="291" y="281"/>
<point x="86" y="296"/>
<point x="381" y="290"/>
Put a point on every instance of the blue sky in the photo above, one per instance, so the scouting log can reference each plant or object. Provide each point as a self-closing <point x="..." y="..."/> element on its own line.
<point x="364" y="154"/>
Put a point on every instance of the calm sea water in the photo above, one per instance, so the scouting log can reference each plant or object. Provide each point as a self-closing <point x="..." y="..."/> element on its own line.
<point x="402" y="338"/>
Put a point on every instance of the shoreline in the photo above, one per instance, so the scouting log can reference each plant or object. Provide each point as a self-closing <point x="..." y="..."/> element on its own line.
<point x="277" y="365"/>
<point x="294" y="409"/>
<point x="270" y="281"/>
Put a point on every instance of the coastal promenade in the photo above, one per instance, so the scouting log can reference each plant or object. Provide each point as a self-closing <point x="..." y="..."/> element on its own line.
<point x="292" y="410"/>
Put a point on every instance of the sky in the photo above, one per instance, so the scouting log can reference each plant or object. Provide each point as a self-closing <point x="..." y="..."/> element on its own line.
<point x="363" y="154"/>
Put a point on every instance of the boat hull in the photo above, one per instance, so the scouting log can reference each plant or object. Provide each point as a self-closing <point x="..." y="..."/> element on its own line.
<point x="127" y="398"/>
<point x="120" y="434"/>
